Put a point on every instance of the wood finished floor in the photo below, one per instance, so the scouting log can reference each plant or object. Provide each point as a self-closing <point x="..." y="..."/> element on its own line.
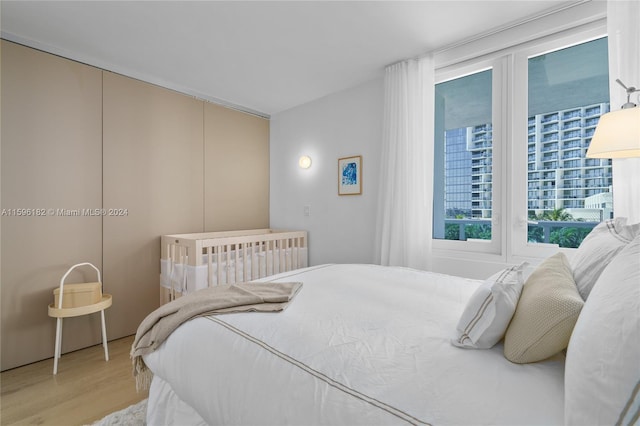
<point x="85" y="389"/>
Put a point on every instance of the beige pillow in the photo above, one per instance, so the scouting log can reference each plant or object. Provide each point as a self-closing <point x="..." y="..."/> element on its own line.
<point x="546" y="313"/>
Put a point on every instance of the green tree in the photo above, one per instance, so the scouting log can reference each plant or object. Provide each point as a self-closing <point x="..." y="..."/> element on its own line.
<point x="451" y="231"/>
<point x="564" y="236"/>
<point x="568" y="237"/>
<point x="535" y="234"/>
<point x="478" y="232"/>
<point x="559" y="215"/>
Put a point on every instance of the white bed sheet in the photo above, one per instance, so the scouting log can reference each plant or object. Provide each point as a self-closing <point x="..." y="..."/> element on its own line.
<point x="360" y="344"/>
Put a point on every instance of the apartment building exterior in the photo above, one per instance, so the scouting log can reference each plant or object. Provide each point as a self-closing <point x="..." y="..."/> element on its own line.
<point x="559" y="175"/>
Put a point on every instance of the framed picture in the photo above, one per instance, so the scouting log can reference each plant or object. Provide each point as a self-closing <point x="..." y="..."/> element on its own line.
<point x="350" y="175"/>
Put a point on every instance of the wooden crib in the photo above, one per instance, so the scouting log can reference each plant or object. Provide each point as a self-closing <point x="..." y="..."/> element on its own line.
<point x="191" y="262"/>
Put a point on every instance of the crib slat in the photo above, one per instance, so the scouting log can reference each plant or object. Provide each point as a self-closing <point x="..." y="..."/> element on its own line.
<point x="283" y="257"/>
<point x="272" y="252"/>
<point x="209" y="266"/>
<point x="172" y="265"/>
<point x="228" y="265"/>
<point x="219" y="265"/>
<point x="236" y="265"/>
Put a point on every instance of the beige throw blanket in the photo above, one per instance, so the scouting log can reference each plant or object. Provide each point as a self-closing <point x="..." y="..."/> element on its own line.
<point x="240" y="297"/>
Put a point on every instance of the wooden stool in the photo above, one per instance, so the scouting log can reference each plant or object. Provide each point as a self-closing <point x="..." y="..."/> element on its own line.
<point x="79" y="299"/>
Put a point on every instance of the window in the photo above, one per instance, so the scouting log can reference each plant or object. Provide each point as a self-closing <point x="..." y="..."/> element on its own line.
<point x="570" y="88"/>
<point x="462" y="201"/>
<point x="526" y="113"/>
<point x="467" y="124"/>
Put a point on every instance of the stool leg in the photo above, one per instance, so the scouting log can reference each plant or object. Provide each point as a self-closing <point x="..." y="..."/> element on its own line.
<point x="104" y="337"/>
<point x="56" y="354"/>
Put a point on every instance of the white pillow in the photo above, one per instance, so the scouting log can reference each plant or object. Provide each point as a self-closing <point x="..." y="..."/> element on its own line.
<point x="597" y="250"/>
<point x="602" y="370"/>
<point x="489" y="310"/>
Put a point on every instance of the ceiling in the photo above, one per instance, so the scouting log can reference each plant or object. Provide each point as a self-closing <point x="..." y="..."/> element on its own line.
<point x="262" y="56"/>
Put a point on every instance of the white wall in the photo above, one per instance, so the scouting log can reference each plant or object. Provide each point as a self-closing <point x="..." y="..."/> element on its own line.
<point x="341" y="228"/>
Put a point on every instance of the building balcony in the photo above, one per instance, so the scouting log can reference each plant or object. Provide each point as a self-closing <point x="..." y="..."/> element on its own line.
<point x="571" y="125"/>
<point x="592" y="162"/>
<point x="573" y="205"/>
<point x="480" y="154"/>
<point x="597" y="175"/>
<point x="570" y="185"/>
<point x="572" y="144"/>
<point x="572" y="176"/>
<point x="591" y="122"/>
<point x="480" y="145"/>
<point x="482" y="128"/>
<point x="481" y="171"/>
<point x="572" y="154"/>
<point x="590" y="112"/>
<point x="572" y="164"/>
<point x="576" y="113"/>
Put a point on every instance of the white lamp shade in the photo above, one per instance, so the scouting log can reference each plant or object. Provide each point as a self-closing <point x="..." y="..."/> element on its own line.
<point x="617" y="135"/>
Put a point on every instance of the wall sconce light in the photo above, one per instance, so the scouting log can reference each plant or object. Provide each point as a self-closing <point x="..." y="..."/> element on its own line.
<point x="618" y="133"/>
<point x="304" y="162"/>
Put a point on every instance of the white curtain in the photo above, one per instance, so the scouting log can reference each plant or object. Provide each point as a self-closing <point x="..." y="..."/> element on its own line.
<point x="406" y="186"/>
<point x="623" y="28"/>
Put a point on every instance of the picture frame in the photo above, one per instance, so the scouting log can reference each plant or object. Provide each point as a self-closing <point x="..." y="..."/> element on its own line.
<point x="350" y="175"/>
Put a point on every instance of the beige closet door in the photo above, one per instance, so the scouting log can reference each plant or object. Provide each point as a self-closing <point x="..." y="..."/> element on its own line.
<point x="236" y="174"/>
<point x="51" y="170"/>
<point x="153" y="173"/>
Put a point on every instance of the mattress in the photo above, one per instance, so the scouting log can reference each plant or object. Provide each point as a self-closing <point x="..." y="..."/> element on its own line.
<point x="359" y="344"/>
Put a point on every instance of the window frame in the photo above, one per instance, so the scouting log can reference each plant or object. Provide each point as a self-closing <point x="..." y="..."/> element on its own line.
<point x="510" y="122"/>
<point x="498" y="67"/>
<point x="519" y="245"/>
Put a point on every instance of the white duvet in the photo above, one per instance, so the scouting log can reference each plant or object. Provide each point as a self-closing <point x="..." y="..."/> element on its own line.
<point x="359" y="344"/>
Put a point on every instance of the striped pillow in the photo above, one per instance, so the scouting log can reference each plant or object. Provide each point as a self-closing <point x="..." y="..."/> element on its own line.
<point x="490" y="309"/>
<point x="597" y="249"/>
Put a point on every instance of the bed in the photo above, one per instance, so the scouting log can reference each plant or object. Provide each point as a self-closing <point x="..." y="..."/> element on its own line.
<point x="191" y="262"/>
<point x="367" y="344"/>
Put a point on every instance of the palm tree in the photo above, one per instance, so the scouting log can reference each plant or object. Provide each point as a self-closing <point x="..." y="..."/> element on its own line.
<point x="559" y="215"/>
